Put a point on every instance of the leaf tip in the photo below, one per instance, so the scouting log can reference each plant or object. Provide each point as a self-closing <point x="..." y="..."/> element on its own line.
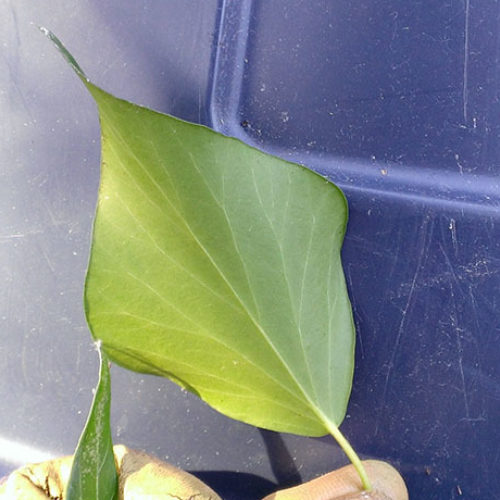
<point x="64" y="52"/>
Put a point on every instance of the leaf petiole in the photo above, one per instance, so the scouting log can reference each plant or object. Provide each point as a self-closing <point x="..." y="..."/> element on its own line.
<point x="349" y="451"/>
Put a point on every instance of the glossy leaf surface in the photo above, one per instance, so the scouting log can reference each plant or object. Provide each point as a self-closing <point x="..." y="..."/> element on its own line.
<point x="93" y="474"/>
<point x="218" y="266"/>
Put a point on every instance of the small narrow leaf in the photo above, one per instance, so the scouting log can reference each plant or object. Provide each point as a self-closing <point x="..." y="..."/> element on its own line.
<point x="93" y="474"/>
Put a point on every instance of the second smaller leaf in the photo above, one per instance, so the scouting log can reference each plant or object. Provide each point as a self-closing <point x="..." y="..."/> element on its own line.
<point x="93" y="474"/>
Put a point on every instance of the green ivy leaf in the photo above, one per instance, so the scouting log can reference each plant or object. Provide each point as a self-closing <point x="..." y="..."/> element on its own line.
<point x="218" y="266"/>
<point x="93" y="474"/>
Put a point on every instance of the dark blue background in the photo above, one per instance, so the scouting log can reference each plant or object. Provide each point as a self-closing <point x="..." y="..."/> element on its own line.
<point x="396" y="101"/>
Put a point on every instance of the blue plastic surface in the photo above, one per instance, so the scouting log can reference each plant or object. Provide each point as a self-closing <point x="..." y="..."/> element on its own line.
<point x="396" y="101"/>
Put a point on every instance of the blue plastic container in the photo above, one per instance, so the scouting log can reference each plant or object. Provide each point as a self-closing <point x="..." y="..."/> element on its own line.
<point x="395" y="101"/>
<point x="398" y="103"/>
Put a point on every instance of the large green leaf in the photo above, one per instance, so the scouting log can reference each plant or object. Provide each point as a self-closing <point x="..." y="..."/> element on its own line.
<point x="218" y="266"/>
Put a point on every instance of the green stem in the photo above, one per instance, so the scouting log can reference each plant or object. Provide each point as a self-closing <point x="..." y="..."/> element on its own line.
<point x="349" y="451"/>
